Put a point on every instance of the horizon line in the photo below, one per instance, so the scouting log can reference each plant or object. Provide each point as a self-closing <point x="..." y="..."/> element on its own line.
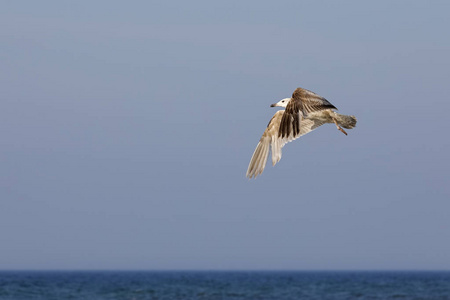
<point x="225" y="270"/>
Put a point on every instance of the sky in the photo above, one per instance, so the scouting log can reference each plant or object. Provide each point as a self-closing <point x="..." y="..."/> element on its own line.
<point x="127" y="128"/>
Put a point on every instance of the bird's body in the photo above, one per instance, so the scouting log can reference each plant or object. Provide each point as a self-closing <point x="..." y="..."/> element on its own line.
<point x="304" y="112"/>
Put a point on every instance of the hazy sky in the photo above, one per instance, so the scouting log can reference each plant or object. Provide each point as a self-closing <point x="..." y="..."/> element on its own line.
<point x="127" y="128"/>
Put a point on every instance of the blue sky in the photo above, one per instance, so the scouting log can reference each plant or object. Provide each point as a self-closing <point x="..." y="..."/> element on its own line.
<point x="127" y="128"/>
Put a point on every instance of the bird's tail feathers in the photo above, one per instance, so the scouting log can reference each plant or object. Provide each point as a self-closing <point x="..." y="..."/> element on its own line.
<point x="345" y="121"/>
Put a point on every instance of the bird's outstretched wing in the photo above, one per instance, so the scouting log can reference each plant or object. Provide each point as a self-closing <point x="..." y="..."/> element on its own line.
<point x="259" y="157"/>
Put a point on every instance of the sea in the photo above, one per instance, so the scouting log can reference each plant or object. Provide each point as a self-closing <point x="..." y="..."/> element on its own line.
<point x="223" y="285"/>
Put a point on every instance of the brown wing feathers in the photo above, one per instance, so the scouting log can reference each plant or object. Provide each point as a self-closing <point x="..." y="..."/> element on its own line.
<point x="290" y="122"/>
<point x="311" y="101"/>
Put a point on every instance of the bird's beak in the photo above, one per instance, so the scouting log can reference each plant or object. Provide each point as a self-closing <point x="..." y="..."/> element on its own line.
<point x="273" y="105"/>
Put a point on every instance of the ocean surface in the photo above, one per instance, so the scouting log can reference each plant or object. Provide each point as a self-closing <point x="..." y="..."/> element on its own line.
<point x="170" y="285"/>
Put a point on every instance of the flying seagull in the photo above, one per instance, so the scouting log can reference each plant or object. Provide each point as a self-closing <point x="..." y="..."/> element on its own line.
<point x="305" y="111"/>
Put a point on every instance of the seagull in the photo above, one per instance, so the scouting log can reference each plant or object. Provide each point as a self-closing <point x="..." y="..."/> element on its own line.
<point x="304" y="112"/>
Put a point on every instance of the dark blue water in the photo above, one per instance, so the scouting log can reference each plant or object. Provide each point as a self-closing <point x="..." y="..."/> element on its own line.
<point x="224" y="285"/>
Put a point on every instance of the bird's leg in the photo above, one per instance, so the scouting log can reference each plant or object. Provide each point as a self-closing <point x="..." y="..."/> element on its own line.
<point x="339" y="127"/>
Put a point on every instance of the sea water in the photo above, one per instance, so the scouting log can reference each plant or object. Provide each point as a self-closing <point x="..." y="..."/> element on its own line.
<point x="171" y="285"/>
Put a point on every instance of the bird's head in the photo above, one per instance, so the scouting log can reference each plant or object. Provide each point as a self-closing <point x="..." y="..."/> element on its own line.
<point x="281" y="103"/>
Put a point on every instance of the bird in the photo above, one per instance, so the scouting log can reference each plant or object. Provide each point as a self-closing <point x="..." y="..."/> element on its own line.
<point x="304" y="112"/>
